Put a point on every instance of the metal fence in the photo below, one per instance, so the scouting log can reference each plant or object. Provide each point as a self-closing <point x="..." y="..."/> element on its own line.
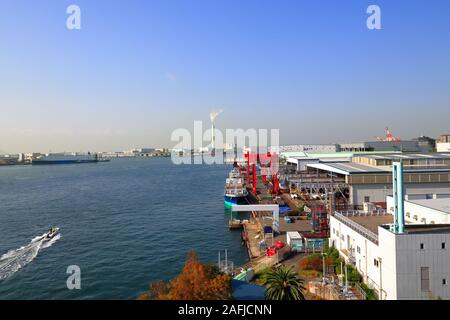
<point x="356" y="226"/>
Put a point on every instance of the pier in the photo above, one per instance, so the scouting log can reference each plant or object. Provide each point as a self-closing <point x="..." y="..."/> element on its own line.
<point x="300" y="214"/>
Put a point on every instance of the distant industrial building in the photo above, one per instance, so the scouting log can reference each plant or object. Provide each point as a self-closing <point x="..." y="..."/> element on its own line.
<point x="443" y="147"/>
<point x="141" y="152"/>
<point x="444" y="138"/>
<point x="443" y="143"/>
<point x="368" y="146"/>
<point x="310" y="147"/>
<point x="404" y="146"/>
<point x="426" y="144"/>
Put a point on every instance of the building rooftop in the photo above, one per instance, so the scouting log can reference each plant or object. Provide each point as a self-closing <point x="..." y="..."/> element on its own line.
<point x="349" y="168"/>
<point x="408" y="156"/>
<point x="373" y="222"/>
<point x="338" y="154"/>
<point x="425" y="228"/>
<point x="442" y="204"/>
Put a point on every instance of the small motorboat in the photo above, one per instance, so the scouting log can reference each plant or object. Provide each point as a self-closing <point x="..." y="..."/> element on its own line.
<point x="53" y="232"/>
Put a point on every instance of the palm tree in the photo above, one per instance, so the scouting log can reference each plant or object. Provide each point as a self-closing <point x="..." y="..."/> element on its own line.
<point x="284" y="284"/>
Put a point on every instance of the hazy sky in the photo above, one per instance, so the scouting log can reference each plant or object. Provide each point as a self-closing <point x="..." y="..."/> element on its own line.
<point x="139" y="69"/>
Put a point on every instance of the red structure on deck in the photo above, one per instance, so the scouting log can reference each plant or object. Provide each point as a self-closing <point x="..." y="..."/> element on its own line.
<point x="268" y="163"/>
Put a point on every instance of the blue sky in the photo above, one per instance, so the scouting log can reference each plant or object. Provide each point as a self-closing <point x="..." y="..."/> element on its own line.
<point x="137" y="70"/>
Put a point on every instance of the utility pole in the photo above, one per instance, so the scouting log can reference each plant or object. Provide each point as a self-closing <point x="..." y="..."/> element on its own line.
<point x="323" y="268"/>
<point x="381" y="281"/>
<point x="226" y="260"/>
<point x="346" y="280"/>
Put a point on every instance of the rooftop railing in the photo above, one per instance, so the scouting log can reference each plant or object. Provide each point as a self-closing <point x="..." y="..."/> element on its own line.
<point x="356" y="226"/>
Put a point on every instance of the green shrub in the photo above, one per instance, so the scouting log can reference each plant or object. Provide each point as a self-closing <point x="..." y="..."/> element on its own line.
<point x="352" y="274"/>
<point x="261" y="275"/>
<point x="370" y="293"/>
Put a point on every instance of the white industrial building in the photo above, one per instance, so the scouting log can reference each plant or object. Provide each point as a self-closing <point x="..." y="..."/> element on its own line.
<point x="424" y="211"/>
<point x="443" y="143"/>
<point x="400" y="261"/>
<point x="443" y="146"/>
<point x="413" y="265"/>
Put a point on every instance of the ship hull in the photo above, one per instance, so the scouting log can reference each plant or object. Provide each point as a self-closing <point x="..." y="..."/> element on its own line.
<point x="62" y="161"/>
<point x="232" y="201"/>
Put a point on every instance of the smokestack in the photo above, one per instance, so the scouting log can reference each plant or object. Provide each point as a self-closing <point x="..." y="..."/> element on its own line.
<point x="213" y="115"/>
<point x="399" y="197"/>
<point x="213" y="137"/>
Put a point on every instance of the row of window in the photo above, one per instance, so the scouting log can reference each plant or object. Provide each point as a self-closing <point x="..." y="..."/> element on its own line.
<point x="358" y="249"/>
<point x="422" y="246"/>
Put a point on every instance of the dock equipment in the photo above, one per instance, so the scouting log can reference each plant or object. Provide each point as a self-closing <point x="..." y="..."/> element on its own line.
<point x="269" y="165"/>
<point x="262" y="207"/>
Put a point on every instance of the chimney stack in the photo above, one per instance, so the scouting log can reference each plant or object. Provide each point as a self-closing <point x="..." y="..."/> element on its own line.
<point x="399" y="197"/>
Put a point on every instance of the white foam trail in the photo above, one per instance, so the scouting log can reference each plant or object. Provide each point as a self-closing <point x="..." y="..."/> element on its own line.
<point x="14" y="260"/>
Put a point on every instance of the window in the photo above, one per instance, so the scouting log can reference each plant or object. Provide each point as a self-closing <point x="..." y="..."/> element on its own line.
<point x="334" y="231"/>
<point x="358" y="249"/>
<point x="366" y="199"/>
<point x="422" y="246"/>
<point x="443" y="245"/>
<point x="444" y="282"/>
<point x="375" y="262"/>
<point x="425" y="279"/>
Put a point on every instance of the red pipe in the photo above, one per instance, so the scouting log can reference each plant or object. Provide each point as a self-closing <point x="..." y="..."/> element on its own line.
<point x="247" y="155"/>
<point x="276" y="186"/>
<point x="264" y="178"/>
<point x="254" y="178"/>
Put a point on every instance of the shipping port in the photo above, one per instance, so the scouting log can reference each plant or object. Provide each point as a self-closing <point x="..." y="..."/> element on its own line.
<point x="299" y="209"/>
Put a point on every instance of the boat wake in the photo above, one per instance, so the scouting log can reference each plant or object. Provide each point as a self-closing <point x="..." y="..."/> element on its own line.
<point x="14" y="260"/>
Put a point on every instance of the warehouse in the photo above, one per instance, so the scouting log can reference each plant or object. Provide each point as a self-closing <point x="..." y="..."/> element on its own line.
<point x="404" y="145"/>
<point x="369" y="177"/>
<point x="299" y="160"/>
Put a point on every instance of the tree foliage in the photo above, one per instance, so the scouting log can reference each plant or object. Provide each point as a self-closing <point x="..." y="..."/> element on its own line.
<point x="196" y="282"/>
<point x="315" y="262"/>
<point x="284" y="284"/>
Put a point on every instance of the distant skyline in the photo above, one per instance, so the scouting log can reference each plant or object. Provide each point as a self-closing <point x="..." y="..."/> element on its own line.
<point x="137" y="70"/>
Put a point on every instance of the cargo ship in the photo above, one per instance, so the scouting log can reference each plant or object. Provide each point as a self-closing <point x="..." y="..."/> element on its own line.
<point x="235" y="191"/>
<point x="65" y="158"/>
